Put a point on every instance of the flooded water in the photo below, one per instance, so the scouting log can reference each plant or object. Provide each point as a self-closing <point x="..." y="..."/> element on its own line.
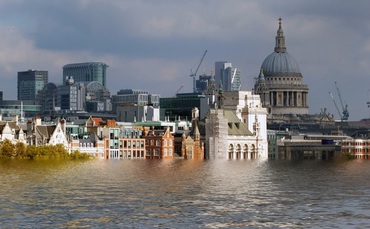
<point x="184" y="194"/>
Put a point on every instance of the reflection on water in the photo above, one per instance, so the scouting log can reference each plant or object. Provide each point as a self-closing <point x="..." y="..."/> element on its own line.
<point x="184" y="194"/>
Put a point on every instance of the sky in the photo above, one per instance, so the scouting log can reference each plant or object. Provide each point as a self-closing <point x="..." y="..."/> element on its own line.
<point x="154" y="45"/>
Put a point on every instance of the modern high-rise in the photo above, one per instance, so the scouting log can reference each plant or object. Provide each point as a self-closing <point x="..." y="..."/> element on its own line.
<point x="227" y="77"/>
<point x="30" y="83"/>
<point x="71" y="96"/>
<point x="86" y="72"/>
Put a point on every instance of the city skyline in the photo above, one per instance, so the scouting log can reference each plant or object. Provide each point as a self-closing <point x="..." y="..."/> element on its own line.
<point x="147" y="43"/>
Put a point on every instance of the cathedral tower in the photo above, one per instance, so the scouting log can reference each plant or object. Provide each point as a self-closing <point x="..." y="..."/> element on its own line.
<point x="279" y="83"/>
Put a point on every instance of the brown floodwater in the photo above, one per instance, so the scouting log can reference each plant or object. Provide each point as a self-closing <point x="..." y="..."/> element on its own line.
<point x="184" y="194"/>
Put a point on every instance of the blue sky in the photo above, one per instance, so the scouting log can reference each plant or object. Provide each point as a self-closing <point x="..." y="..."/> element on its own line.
<point x="154" y="44"/>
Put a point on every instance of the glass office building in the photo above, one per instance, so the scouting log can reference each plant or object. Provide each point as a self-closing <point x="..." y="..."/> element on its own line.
<point x="30" y="83"/>
<point x="86" y="72"/>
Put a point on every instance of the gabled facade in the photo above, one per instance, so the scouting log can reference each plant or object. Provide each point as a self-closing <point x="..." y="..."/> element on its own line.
<point x="237" y="130"/>
<point x="159" y="144"/>
<point x="12" y="131"/>
<point x="39" y="134"/>
<point x="191" y="146"/>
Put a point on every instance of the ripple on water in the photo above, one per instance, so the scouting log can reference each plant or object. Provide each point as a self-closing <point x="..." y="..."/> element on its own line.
<point x="181" y="193"/>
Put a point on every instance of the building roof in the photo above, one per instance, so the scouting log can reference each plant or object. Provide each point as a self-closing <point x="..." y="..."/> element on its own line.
<point x="85" y="64"/>
<point x="45" y="131"/>
<point x="280" y="61"/>
<point x="236" y="127"/>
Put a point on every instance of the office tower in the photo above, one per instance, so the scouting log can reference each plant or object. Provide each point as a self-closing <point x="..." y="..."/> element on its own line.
<point x="227" y="77"/>
<point x="86" y="72"/>
<point x="71" y="96"/>
<point x="30" y="83"/>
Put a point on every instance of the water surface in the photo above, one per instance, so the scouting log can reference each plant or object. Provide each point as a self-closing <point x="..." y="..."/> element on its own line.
<point x="184" y="194"/>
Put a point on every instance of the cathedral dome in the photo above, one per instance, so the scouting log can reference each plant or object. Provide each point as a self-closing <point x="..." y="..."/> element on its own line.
<point x="279" y="62"/>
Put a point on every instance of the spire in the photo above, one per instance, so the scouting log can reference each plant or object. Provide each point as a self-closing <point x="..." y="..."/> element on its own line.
<point x="196" y="132"/>
<point x="280" y="39"/>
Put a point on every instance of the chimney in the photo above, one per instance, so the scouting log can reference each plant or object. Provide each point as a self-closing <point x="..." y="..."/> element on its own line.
<point x="38" y="121"/>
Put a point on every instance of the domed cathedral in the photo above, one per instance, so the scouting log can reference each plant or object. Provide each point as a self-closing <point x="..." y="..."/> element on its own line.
<point x="279" y="83"/>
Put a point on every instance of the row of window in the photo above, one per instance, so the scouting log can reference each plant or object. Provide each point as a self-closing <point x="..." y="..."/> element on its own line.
<point x="158" y="142"/>
<point x="356" y="143"/>
<point x="156" y="152"/>
<point x="293" y="79"/>
<point x="126" y="154"/>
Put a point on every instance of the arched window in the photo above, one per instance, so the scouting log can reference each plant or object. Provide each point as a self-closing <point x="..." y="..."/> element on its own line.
<point x="231" y="151"/>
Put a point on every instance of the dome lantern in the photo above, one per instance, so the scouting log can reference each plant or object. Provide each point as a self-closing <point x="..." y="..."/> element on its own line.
<point x="280" y="39"/>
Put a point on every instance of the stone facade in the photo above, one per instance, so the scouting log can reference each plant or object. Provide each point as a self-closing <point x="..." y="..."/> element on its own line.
<point x="237" y="130"/>
<point x="280" y="82"/>
<point x="191" y="146"/>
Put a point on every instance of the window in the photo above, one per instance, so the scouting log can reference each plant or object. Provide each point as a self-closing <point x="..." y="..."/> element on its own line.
<point x="158" y="143"/>
<point x="156" y="152"/>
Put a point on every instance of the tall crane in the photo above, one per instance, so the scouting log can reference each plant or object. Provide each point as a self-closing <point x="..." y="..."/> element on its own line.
<point x="344" y="114"/>
<point x="195" y="73"/>
<point x="336" y="106"/>
<point x="178" y="90"/>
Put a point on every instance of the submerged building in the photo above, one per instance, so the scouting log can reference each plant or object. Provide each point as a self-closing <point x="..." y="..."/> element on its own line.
<point x="236" y="128"/>
<point x="280" y="82"/>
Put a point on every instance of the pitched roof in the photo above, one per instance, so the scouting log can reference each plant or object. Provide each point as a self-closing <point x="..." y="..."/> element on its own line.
<point x="46" y="131"/>
<point x="235" y="126"/>
<point x="97" y="121"/>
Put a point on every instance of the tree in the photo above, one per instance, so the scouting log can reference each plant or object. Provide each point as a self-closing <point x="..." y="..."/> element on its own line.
<point x="21" y="150"/>
<point x="7" y="149"/>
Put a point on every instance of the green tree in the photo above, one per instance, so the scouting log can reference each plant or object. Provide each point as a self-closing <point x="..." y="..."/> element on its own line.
<point x="7" y="149"/>
<point x="21" y="150"/>
<point x="32" y="152"/>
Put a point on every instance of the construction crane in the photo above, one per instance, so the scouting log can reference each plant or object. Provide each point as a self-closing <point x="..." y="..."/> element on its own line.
<point x="336" y="106"/>
<point x="195" y="73"/>
<point x="178" y="90"/>
<point x="344" y="114"/>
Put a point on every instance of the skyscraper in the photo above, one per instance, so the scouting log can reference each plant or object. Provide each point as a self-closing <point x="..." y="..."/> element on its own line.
<point x="227" y="77"/>
<point x="86" y="72"/>
<point x="30" y="83"/>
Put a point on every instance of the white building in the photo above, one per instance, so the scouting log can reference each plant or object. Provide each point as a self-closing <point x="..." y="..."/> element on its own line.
<point x="237" y="130"/>
<point x="136" y="113"/>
